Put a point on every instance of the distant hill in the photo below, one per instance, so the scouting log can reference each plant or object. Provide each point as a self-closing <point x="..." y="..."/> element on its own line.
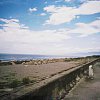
<point x="84" y="54"/>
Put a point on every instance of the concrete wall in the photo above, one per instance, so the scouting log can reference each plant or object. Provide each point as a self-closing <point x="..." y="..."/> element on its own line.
<point x="57" y="88"/>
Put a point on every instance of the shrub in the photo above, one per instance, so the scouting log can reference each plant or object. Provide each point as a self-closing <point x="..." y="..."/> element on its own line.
<point x="66" y="59"/>
<point x="14" y="83"/>
<point x="26" y="80"/>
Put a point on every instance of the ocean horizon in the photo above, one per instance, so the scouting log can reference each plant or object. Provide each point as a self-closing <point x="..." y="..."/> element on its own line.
<point x="16" y="57"/>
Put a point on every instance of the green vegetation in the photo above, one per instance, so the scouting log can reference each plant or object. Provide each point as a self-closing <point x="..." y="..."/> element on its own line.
<point x="26" y="80"/>
<point x="15" y="83"/>
<point x="9" y="80"/>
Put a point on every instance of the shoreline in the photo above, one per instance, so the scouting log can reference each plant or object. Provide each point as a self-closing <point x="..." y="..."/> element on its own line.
<point x="31" y="61"/>
<point x="43" y="61"/>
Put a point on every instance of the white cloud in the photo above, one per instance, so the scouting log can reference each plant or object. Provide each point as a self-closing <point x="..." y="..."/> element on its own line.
<point x="85" y="50"/>
<point x="46" y="2"/>
<point x="68" y="0"/>
<point x="59" y="15"/>
<point x="56" y="1"/>
<point x="98" y="18"/>
<point x="16" y="37"/>
<point x="11" y="23"/>
<point x="32" y="9"/>
<point x="8" y="21"/>
<point x="50" y="8"/>
<point x="63" y="14"/>
<point x="90" y="7"/>
<point x="77" y="17"/>
<point x="86" y="29"/>
<point x="43" y="14"/>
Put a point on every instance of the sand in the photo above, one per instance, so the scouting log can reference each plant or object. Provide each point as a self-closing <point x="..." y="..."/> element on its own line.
<point x="37" y="72"/>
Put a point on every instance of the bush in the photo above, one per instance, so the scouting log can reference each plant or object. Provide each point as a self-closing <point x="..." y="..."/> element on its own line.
<point x="14" y="83"/>
<point x="26" y="80"/>
<point x="66" y="59"/>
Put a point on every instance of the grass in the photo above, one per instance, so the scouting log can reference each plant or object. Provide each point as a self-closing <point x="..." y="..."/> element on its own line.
<point x="15" y="83"/>
<point x="26" y="80"/>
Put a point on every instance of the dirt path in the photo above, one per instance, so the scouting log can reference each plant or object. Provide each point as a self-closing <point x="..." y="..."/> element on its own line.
<point x="87" y="89"/>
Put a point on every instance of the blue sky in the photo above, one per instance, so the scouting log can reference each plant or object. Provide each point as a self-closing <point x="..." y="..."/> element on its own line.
<point x="54" y="27"/>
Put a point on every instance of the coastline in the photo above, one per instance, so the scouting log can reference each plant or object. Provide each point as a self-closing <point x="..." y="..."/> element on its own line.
<point x="43" y="61"/>
<point x="37" y="73"/>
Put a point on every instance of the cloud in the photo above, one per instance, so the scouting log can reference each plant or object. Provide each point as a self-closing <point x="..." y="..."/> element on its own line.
<point x="68" y="0"/>
<point x="16" y="37"/>
<point x="56" y="1"/>
<point x="12" y="23"/>
<point x="90" y="7"/>
<point x="59" y="15"/>
<point x="42" y="14"/>
<point x="86" y="29"/>
<point x="32" y="9"/>
<point x="45" y="2"/>
<point x="77" y="17"/>
<point x="85" y="50"/>
<point x="98" y="18"/>
<point x="64" y="14"/>
<point x="8" y="21"/>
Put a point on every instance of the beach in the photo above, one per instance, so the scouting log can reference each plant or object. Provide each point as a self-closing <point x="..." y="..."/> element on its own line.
<point x="38" y="71"/>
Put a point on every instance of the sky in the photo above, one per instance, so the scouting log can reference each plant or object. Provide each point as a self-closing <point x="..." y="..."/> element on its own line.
<point x="49" y="27"/>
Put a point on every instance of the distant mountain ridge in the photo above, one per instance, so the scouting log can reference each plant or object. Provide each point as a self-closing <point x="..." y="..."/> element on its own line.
<point x="86" y="54"/>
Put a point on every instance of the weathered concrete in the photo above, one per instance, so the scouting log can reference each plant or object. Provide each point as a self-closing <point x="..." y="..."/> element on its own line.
<point x="87" y="89"/>
<point x="53" y="88"/>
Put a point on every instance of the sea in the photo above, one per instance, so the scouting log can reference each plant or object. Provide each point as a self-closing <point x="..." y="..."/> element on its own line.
<point x="20" y="57"/>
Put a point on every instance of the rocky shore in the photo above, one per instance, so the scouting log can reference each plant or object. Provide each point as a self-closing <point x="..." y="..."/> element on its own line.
<point x="41" y="61"/>
<point x="32" y="62"/>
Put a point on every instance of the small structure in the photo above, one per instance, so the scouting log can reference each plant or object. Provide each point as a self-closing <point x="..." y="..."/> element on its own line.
<point x="91" y="74"/>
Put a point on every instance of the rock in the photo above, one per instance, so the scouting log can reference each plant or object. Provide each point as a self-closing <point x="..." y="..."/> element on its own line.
<point x="13" y="63"/>
<point x="77" y="78"/>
